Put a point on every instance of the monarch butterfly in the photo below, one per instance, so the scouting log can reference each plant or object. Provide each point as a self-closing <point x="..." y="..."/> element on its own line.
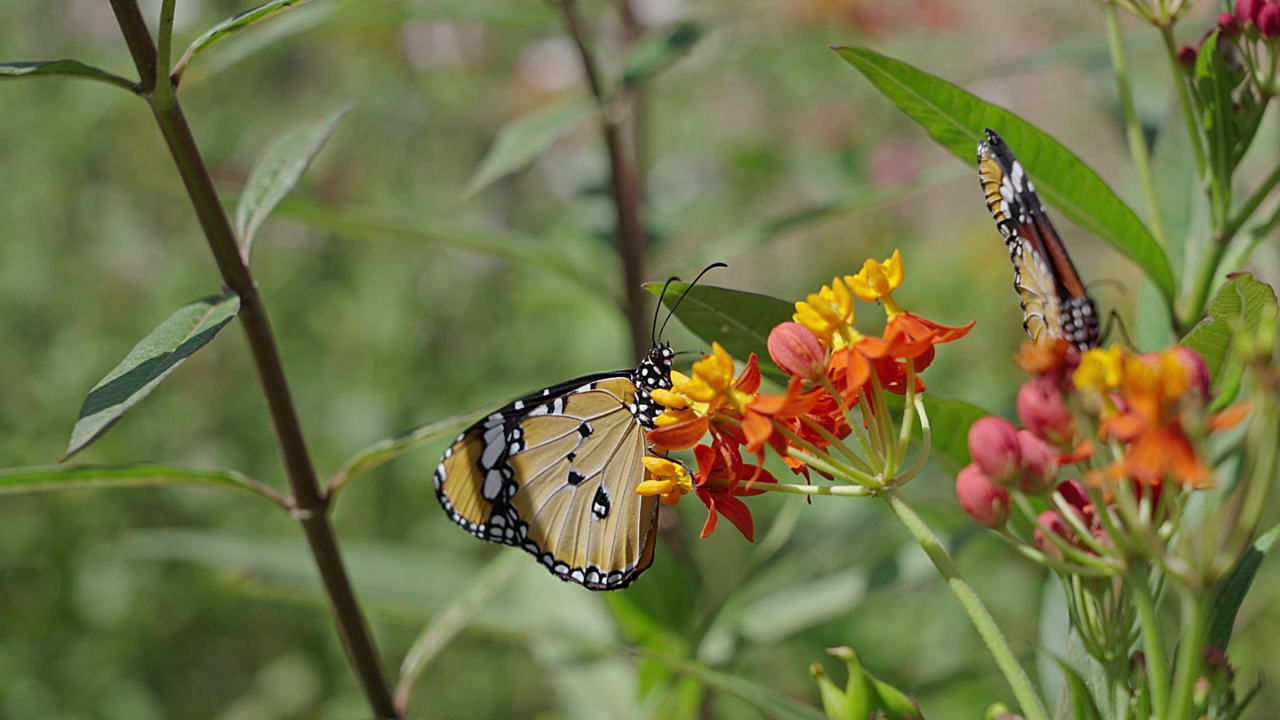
<point x="1055" y="303"/>
<point x="555" y="474"/>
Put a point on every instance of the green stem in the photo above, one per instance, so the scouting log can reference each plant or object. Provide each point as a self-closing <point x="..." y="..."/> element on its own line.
<point x="834" y="490"/>
<point x="1195" y="612"/>
<point x="1184" y="100"/>
<point x="1251" y="205"/>
<point x="164" y="88"/>
<point x="1014" y="675"/>
<point x="1133" y="129"/>
<point x="1152" y="640"/>
<point x="309" y="505"/>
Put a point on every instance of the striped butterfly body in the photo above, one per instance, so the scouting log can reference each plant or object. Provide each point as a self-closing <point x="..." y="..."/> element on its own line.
<point x="1055" y="303"/>
<point x="555" y="473"/>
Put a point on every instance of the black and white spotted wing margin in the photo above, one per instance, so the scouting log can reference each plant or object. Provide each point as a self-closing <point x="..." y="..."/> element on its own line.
<point x="1055" y="303"/>
<point x="555" y="473"/>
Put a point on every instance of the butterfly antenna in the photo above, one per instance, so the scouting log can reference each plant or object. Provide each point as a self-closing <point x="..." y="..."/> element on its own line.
<point x="653" y="333"/>
<point x="684" y="294"/>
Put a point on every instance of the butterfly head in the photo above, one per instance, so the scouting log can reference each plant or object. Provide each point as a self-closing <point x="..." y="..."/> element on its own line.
<point x="653" y="372"/>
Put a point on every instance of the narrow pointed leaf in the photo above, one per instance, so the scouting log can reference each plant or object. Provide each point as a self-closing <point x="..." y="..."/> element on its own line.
<point x="657" y="51"/>
<point x="956" y="119"/>
<point x="1083" y="706"/>
<point x="523" y="139"/>
<point x="738" y="320"/>
<point x="150" y="361"/>
<point x="44" y="478"/>
<point x="229" y="27"/>
<point x="64" y="68"/>
<point x="1232" y="591"/>
<point x="278" y="171"/>
<point x="765" y="699"/>
<point x="383" y="451"/>
<point x="452" y="620"/>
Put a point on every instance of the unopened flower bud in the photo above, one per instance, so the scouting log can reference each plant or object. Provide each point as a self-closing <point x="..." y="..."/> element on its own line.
<point x="993" y="444"/>
<point x="1187" y="57"/>
<point x="796" y="350"/>
<point x="1051" y="521"/>
<point x="1039" y="466"/>
<point x="986" y="502"/>
<point x="1228" y="26"/>
<point x="1076" y="496"/>
<point x="1247" y="11"/>
<point x="1269" y="21"/>
<point x="1043" y="410"/>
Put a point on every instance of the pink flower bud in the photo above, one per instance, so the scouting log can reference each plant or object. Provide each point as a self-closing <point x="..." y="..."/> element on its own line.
<point x="1055" y="524"/>
<point x="1247" y="11"/>
<point x="1043" y="410"/>
<point x="993" y="444"/>
<point x="986" y="502"/>
<point x="1074" y="493"/>
<point x="1039" y="467"/>
<point x="1197" y="371"/>
<point x="1228" y="26"/>
<point x="1187" y="57"/>
<point x="796" y="350"/>
<point x="1269" y="21"/>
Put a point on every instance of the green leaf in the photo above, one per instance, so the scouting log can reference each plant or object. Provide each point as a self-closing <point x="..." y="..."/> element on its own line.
<point x="657" y="51"/>
<point x="524" y="138"/>
<point x="740" y="321"/>
<point x="452" y="620"/>
<point x="949" y="422"/>
<point x="278" y="170"/>
<point x="150" y="361"/>
<point x="229" y="27"/>
<point x="1242" y="308"/>
<point x="1231" y="593"/>
<point x="956" y="119"/>
<point x="43" y="478"/>
<point x="383" y="451"/>
<point x="64" y="68"/>
<point x="563" y="256"/>
<point x="1082" y="705"/>
<point x="771" y="703"/>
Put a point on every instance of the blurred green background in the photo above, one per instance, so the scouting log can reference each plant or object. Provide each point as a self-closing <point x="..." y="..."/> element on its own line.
<point x="143" y="604"/>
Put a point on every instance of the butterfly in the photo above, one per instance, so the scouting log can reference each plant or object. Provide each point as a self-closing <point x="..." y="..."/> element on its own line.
<point x="1055" y="303"/>
<point x="555" y="474"/>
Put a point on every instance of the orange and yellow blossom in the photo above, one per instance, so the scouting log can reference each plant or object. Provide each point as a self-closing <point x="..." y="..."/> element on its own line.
<point x="907" y="336"/>
<point x="694" y="403"/>
<point x="1145" y="399"/>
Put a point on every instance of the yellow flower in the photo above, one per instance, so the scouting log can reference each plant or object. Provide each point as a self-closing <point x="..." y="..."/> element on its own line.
<point x="829" y="314"/>
<point x="668" y="480"/>
<point x="877" y="281"/>
<point x="1100" y="370"/>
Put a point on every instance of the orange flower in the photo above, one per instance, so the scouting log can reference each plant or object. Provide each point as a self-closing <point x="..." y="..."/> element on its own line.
<point x="760" y="415"/>
<point x="909" y="336"/>
<point x="717" y="483"/>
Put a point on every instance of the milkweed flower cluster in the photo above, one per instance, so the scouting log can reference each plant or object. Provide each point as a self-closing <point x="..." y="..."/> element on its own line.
<point x="833" y="370"/>
<point x="1129" y="431"/>
<point x="1095" y="483"/>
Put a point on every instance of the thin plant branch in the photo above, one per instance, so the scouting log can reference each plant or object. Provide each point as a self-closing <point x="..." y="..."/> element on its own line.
<point x="310" y="506"/>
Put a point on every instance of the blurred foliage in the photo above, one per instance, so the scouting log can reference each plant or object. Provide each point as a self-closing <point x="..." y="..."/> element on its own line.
<point x="157" y="603"/>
